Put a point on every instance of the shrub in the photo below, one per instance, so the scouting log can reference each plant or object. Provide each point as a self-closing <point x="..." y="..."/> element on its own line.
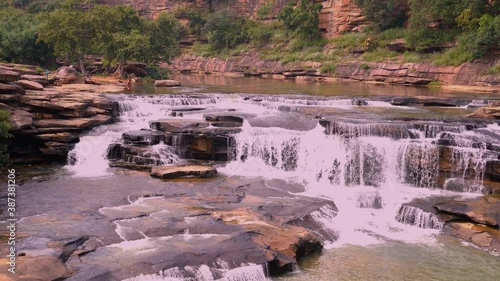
<point x="425" y="38"/>
<point x="259" y="33"/>
<point x="196" y="23"/>
<point x="264" y="10"/>
<point x="350" y="41"/>
<point x="5" y="126"/>
<point x="454" y="56"/>
<point x="379" y="55"/>
<point x="493" y="70"/>
<point x="327" y="68"/>
<point x="225" y="30"/>
<point x="303" y="19"/>
<point x="384" y="14"/>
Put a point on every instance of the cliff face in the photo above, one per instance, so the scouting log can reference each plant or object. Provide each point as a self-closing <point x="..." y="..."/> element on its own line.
<point x="336" y="17"/>
<point x="394" y="73"/>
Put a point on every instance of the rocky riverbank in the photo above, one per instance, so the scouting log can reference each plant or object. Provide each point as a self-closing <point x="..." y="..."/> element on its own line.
<point x="47" y="120"/>
<point x="467" y="77"/>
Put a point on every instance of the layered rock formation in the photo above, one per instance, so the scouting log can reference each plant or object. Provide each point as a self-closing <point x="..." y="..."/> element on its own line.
<point x="47" y="122"/>
<point x="396" y="73"/>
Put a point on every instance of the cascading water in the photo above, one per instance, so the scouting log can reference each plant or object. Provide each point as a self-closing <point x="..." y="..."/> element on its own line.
<point x="369" y="171"/>
<point x="88" y="158"/>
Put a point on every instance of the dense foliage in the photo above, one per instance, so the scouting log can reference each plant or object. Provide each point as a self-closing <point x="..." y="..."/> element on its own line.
<point x="4" y="133"/>
<point x="303" y="19"/>
<point x="72" y="29"/>
<point x="224" y="30"/>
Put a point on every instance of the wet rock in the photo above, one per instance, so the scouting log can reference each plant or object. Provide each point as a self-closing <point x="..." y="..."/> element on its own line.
<point x="129" y="166"/>
<point x="359" y="102"/>
<point x="177" y="125"/>
<point x="288" y="121"/>
<point x="167" y="83"/>
<point x="71" y="247"/>
<point x="66" y="74"/>
<point x="8" y="75"/>
<point x="30" y="85"/>
<point x="173" y="172"/>
<point x="479" y="235"/>
<point x="485" y="210"/>
<point x="143" y="137"/>
<point x="235" y="118"/>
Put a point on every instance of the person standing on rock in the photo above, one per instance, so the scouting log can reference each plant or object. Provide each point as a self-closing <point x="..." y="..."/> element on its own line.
<point x="46" y="73"/>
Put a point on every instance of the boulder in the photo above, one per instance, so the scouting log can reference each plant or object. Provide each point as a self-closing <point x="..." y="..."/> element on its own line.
<point x="190" y="171"/>
<point x="167" y="83"/>
<point x="66" y="74"/>
<point x="21" y="119"/>
<point x="29" y="85"/>
<point x="8" y="76"/>
<point x="136" y="69"/>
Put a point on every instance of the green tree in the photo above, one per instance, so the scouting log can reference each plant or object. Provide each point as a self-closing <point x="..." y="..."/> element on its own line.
<point x="67" y="29"/>
<point x="165" y="32"/>
<point x="224" y="30"/>
<point x="5" y="126"/>
<point x="19" y="39"/>
<point x="303" y="19"/>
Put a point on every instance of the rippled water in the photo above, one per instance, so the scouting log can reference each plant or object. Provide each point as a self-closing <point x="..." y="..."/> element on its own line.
<point x="445" y="259"/>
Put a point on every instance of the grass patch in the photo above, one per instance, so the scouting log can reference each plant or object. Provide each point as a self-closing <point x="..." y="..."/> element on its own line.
<point x="454" y="56"/>
<point x="493" y="70"/>
<point x="379" y="55"/>
<point x="416" y="57"/>
<point x="328" y="68"/>
<point x="350" y="41"/>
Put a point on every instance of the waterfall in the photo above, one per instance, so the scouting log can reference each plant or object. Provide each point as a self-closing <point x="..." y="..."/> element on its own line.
<point x="368" y="170"/>
<point x="417" y="217"/>
<point x="88" y="158"/>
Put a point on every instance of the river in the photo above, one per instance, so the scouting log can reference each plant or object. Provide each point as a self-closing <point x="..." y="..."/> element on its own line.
<point x="370" y="161"/>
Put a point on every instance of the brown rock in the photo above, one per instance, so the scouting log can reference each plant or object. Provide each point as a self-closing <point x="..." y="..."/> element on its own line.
<point x="177" y="125"/>
<point x="8" y="76"/>
<point x="167" y="83"/>
<point x="11" y="89"/>
<point x="29" y="85"/>
<point x="21" y="119"/>
<point x="485" y="210"/>
<point x="43" y="268"/>
<point x="173" y="172"/>
<point x="65" y="137"/>
<point x="36" y="78"/>
<point x="66" y="74"/>
<point x="56" y="148"/>
<point x="80" y="123"/>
